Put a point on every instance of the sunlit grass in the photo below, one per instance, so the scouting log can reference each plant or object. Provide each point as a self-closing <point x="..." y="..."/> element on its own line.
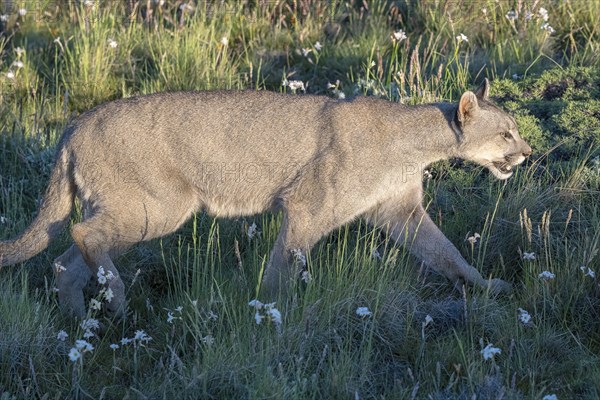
<point x="190" y="291"/>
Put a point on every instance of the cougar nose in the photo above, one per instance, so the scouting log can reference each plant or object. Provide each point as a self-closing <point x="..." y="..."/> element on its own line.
<point x="527" y="151"/>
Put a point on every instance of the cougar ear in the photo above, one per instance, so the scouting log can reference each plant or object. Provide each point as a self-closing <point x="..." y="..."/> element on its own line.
<point x="468" y="108"/>
<point x="483" y="92"/>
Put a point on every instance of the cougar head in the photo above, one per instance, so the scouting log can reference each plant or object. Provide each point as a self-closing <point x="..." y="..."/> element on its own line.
<point x="489" y="135"/>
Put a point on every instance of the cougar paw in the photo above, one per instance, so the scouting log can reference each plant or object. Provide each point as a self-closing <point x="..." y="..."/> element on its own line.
<point x="117" y="304"/>
<point x="117" y="310"/>
<point x="498" y="286"/>
<point x="270" y="287"/>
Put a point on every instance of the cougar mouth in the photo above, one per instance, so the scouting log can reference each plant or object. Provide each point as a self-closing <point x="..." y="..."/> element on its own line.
<point x="501" y="170"/>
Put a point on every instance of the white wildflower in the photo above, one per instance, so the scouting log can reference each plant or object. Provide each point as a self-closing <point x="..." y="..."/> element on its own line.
<point x="142" y="336"/>
<point x="588" y="271"/>
<point x="335" y="89"/>
<point x="101" y="275"/>
<point x="516" y="77"/>
<point x="546" y="26"/>
<point x="547" y="275"/>
<point x="524" y="316"/>
<point x="194" y="303"/>
<point x="125" y="341"/>
<point x="375" y="254"/>
<point x="306" y="277"/>
<point x="550" y="397"/>
<point x="95" y="304"/>
<point x="20" y="51"/>
<point x="484" y="10"/>
<point x="170" y="317"/>
<point x="511" y="15"/>
<point x="398" y="36"/>
<point x="256" y="304"/>
<point x="252" y="231"/>
<point x="543" y="13"/>
<point x="22" y="12"/>
<point x="3" y="220"/>
<point x="114" y="346"/>
<point x="294" y="85"/>
<point x="104" y="276"/>
<point x="90" y="323"/>
<point x="428" y="320"/>
<point x="4" y="17"/>
<point x="18" y="64"/>
<point x="62" y="335"/>
<point x="113" y="43"/>
<point x="298" y="256"/>
<point x="473" y="239"/>
<point x="528" y="16"/>
<point x="212" y="316"/>
<point x="224" y="41"/>
<point x="10" y="75"/>
<point x="108" y="295"/>
<point x="462" y="38"/>
<point x="363" y="312"/>
<point x="318" y="46"/>
<point x="83" y="345"/>
<point x="179" y="309"/>
<point x="490" y="351"/>
<point x="528" y="256"/>
<point x="58" y="267"/>
<point x="306" y="52"/>
<point x="88" y="334"/>
<point x="270" y="312"/>
<point x="208" y="340"/>
<point x="274" y="315"/>
<point x="74" y="354"/>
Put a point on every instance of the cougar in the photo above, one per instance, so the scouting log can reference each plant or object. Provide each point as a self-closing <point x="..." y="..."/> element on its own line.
<point x="142" y="166"/>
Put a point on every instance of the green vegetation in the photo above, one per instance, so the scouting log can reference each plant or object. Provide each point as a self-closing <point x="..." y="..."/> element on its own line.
<point x="61" y="58"/>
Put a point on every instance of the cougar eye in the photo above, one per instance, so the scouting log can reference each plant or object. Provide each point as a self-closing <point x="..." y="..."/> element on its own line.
<point x="507" y="135"/>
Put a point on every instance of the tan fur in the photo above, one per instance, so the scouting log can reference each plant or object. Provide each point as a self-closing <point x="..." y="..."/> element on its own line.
<point x="142" y="166"/>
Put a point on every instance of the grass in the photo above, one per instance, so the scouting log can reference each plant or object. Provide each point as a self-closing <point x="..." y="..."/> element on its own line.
<point x="60" y="59"/>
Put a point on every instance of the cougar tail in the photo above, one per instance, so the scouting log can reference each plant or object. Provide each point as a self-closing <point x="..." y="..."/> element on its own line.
<point x="53" y="215"/>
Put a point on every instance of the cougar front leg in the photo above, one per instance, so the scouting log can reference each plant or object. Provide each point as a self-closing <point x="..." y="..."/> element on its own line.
<point x="415" y="229"/>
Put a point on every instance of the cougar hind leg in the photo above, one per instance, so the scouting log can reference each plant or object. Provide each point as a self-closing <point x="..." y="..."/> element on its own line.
<point x="72" y="274"/>
<point x="97" y="239"/>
